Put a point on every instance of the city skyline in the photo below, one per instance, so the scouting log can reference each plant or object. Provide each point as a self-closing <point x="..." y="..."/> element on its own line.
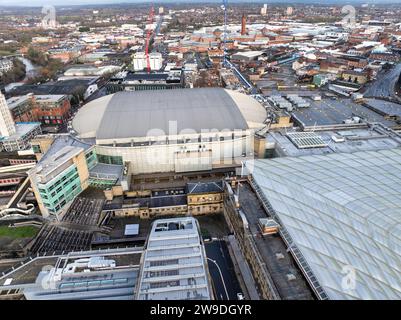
<point x="33" y="3"/>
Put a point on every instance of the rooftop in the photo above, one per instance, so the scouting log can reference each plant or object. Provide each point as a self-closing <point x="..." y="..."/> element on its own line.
<point x="205" y="187"/>
<point x="22" y="129"/>
<point x="333" y="112"/>
<point x="174" y="264"/>
<point x="363" y="139"/>
<point x="48" y="166"/>
<point x="60" y="142"/>
<point x="152" y="113"/>
<point x="342" y="212"/>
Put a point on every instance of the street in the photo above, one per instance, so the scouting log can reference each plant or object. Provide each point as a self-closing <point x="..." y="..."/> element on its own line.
<point x="385" y="84"/>
<point x="218" y="252"/>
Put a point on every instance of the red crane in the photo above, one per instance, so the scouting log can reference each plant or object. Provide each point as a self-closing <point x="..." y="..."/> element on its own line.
<point x="148" y="35"/>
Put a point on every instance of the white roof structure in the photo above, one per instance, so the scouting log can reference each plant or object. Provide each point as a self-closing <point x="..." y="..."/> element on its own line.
<point x="174" y="264"/>
<point x="131" y="114"/>
<point x="343" y="213"/>
<point x="131" y="230"/>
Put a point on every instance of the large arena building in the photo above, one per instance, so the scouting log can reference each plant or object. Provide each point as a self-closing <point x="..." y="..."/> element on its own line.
<point x="146" y="132"/>
<point x="172" y="131"/>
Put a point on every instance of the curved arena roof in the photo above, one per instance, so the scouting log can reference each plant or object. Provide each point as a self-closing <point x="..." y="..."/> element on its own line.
<point x="134" y="114"/>
<point x="343" y="213"/>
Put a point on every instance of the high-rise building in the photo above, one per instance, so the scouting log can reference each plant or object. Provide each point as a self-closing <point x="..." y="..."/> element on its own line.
<point x="290" y="11"/>
<point x="263" y="10"/>
<point x="7" y="125"/>
<point x="140" y="63"/>
<point x="161" y="10"/>
<point x="174" y="263"/>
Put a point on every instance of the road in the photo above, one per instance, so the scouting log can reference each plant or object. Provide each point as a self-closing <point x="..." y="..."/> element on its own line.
<point x="218" y="251"/>
<point x="384" y="86"/>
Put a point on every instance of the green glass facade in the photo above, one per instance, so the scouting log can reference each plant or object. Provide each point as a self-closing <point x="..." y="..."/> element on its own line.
<point x="62" y="189"/>
<point x="102" y="183"/>
<point x="91" y="158"/>
<point x="110" y="159"/>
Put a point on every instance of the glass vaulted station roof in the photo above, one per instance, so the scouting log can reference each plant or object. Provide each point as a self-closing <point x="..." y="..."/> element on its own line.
<point x="343" y="212"/>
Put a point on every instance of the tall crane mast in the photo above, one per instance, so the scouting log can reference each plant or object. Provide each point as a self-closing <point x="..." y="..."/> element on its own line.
<point x="148" y="35"/>
<point x="224" y="7"/>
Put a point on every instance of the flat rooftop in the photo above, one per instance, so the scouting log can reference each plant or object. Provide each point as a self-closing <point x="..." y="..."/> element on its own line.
<point x="16" y="101"/>
<point x="51" y="163"/>
<point x="22" y="129"/>
<point x="331" y="112"/>
<point x="174" y="264"/>
<point x="273" y="251"/>
<point x="25" y="274"/>
<point x="60" y="142"/>
<point x="364" y="139"/>
<point x="386" y="107"/>
<point x="107" y="171"/>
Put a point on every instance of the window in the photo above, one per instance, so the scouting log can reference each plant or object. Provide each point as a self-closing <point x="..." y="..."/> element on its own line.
<point x="163" y="273"/>
<point x="163" y="262"/>
<point x="110" y="159"/>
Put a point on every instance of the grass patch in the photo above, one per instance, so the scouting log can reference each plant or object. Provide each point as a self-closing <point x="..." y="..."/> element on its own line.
<point x="18" y="232"/>
<point x="4" y="53"/>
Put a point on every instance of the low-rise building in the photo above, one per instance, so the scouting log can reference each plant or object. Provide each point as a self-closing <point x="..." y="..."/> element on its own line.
<point x="15" y="136"/>
<point x="205" y="197"/>
<point x="5" y="65"/>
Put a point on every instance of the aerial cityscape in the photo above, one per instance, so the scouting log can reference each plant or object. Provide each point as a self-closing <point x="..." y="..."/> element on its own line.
<point x="189" y="150"/>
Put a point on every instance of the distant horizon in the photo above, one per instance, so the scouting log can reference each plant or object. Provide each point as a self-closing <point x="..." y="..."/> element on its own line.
<point x="39" y="3"/>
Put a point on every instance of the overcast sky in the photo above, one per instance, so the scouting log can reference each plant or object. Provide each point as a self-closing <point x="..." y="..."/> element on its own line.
<point x="83" y="2"/>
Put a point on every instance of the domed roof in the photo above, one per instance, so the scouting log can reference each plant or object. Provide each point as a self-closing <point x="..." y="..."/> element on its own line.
<point x="132" y="114"/>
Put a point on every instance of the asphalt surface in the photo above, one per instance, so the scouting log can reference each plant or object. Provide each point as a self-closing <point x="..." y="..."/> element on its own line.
<point x="384" y="86"/>
<point x="218" y="251"/>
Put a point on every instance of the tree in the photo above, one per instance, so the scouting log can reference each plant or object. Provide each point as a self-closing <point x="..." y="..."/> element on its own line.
<point x="84" y="29"/>
<point x="37" y="57"/>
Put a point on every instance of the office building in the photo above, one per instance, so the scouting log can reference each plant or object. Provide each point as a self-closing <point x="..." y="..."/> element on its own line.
<point x="140" y="61"/>
<point x="15" y="137"/>
<point x="174" y="265"/>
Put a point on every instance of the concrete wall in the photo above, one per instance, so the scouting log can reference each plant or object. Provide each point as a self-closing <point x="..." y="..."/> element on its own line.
<point x="163" y="157"/>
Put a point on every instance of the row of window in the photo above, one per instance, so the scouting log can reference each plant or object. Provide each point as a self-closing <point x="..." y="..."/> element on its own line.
<point x="110" y="159"/>
<point x="15" y="180"/>
<point x="95" y="283"/>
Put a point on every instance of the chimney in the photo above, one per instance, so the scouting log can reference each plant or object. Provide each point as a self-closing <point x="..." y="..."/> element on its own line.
<point x="243" y="25"/>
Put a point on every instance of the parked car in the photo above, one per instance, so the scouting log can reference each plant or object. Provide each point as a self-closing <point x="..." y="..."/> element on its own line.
<point x="240" y="296"/>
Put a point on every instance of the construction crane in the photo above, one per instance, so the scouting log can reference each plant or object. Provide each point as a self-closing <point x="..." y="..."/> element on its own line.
<point x="148" y="36"/>
<point x="224" y="7"/>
